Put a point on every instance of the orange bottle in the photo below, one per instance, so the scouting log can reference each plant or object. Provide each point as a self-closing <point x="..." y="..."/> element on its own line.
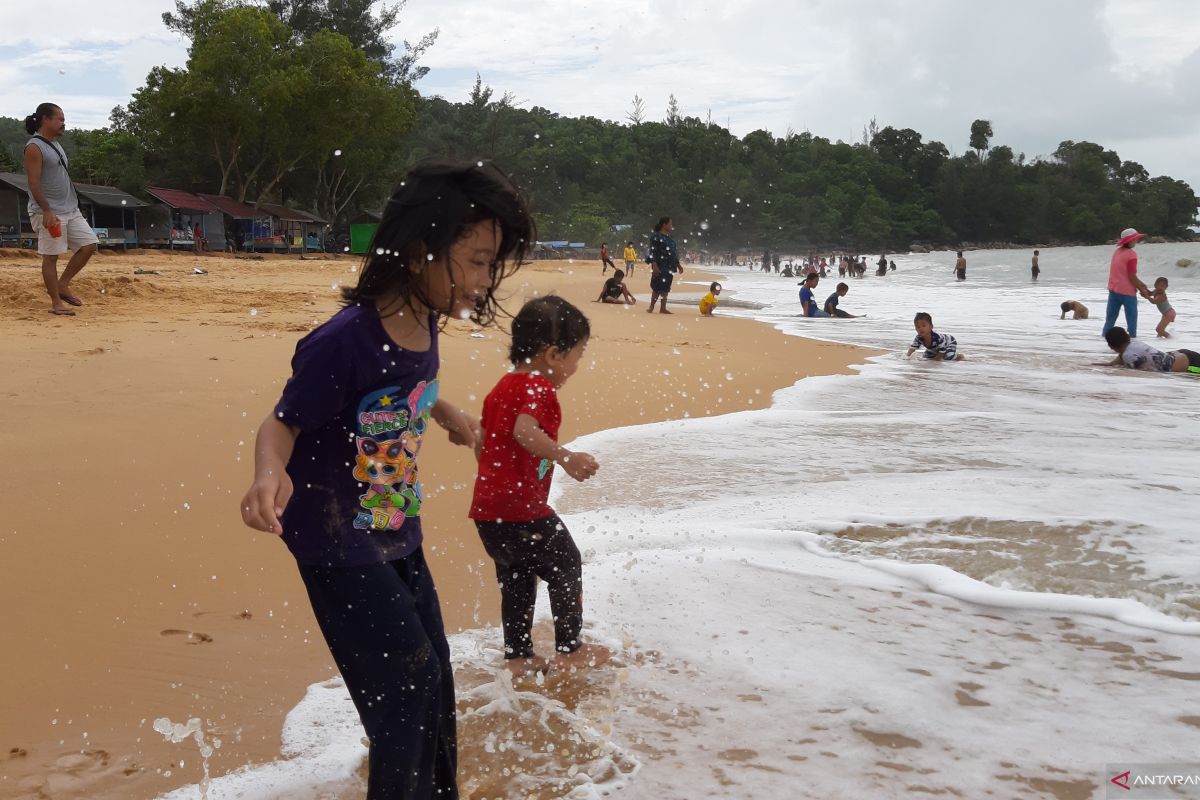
<point x="55" y="229"/>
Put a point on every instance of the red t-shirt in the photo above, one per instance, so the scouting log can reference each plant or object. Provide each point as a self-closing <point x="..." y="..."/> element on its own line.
<point x="514" y="484"/>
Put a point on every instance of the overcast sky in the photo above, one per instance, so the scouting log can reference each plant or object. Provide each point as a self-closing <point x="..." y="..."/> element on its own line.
<point x="1123" y="73"/>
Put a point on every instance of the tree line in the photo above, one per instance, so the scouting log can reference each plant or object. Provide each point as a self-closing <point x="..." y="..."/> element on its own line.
<point x="307" y="102"/>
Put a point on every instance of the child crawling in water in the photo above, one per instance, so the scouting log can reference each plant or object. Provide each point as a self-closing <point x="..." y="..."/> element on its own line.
<point x="938" y="346"/>
<point x="1076" y="309"/>
<point x="1139" y="355"/>
<point x="519" y="529"/>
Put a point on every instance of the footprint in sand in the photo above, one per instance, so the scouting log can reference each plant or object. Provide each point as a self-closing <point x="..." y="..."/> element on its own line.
<point x="191" y="637"/>
<point x="74" y="774"/>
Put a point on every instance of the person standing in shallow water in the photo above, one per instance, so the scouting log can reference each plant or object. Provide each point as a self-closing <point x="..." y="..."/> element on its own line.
<point x="1035" y="268"/>
<point x="960" y="267"/>
<point x="1123" y="283"/>
<point x="54" y="207"/>
<point x="335" y="464"/>
<point x="663" y="257"/>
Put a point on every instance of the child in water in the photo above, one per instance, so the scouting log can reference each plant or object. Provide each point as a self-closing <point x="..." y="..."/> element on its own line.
<point x="335" y="463"/>
<point x="1076" y="309"/>
<point x="1139" y="355"/>
<point x="1159" y="298"/>
<point x="938" y="346"/>
<point x="831" y="303"/>
<point x="519" y="529"/>
<point x="708" y="303"/>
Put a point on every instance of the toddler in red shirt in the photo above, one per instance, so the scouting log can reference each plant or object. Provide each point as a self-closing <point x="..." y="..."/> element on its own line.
<point x="519" y="529"/>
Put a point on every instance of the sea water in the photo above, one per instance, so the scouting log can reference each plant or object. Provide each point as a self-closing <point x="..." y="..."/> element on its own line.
<point x="972" y="579"/>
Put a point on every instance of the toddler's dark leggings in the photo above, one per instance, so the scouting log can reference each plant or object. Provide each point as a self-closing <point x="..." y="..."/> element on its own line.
<point x="524" y="552"/>
<point x="384" y="628"/>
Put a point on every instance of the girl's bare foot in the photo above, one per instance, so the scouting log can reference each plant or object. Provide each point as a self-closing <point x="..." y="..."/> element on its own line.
<point x="663" y="310"/>
<point x="588" y="655"/>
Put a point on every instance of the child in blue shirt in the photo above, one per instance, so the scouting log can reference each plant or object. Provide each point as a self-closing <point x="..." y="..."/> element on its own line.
<point x="808" y="300"/>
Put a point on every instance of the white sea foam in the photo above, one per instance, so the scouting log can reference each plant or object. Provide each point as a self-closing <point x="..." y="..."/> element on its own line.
<point x="975" y="578"/>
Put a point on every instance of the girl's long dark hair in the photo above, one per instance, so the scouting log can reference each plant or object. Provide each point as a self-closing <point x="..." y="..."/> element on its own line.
<point x="431" y="209"/>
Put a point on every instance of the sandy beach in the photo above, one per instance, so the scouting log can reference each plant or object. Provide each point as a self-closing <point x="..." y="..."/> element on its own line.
<point x="132" y="589"/>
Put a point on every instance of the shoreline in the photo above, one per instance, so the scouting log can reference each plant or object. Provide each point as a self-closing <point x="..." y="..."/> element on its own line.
<point x="188" y="614"/>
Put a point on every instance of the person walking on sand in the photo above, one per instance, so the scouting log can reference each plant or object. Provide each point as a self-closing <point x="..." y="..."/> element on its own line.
<point x="54" y="207"/>
<point x="1123" y="283"/>
<point x="605" y="261"/>
<point x="663" y="258"/>
<point x="630" y="255"/>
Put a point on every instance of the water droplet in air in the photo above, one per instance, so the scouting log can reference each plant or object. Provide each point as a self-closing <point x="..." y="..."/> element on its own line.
<point x="254" y="312"/>
<point x="337" y="152"/>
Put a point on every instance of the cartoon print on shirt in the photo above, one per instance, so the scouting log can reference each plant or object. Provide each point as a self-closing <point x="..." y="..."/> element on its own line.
<point x="388" y="442"/>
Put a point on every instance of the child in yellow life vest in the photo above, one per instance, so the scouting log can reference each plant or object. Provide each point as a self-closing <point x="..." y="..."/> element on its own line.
<point x="708" y="303"/>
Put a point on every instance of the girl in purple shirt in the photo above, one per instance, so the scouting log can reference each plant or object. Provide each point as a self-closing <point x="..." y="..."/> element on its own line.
<point x="335" y="464"/>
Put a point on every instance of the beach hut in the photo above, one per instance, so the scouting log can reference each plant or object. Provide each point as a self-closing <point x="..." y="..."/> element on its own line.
<point x="14" y="220"/>
<point x="184" y="212"/>
<point x="112" y="213"/>
<point x="244" y="224"/>
<point x="296" y="228"/>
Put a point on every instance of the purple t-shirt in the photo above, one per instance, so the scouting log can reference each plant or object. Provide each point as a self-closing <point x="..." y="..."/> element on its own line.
<point x="362" y="405"/>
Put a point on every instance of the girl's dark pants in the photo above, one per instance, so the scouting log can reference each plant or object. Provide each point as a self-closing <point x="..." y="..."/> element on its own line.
<point x="384" y="628"/>
<point x="524" y="552"/>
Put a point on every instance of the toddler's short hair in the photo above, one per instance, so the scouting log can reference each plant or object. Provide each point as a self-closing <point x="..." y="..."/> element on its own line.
<point x="544" y="322"/>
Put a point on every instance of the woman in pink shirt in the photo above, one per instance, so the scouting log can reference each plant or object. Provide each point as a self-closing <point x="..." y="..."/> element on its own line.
<point x="1123" y="283"/>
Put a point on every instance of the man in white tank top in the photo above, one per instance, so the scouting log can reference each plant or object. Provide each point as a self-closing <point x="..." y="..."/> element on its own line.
<point x="54" y="207"/>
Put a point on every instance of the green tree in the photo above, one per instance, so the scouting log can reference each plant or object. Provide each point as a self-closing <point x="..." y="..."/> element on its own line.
<point x="260" y="108"/>
<point x="109" y="158"/>
<point x="365" y="23"/>
<point x="981" y="135"/>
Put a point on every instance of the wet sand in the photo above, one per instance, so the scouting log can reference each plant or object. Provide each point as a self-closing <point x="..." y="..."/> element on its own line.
<point x="132" y="590"/>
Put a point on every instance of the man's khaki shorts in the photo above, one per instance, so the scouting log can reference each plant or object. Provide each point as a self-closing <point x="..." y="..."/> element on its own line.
<point x="76" y="233"/>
